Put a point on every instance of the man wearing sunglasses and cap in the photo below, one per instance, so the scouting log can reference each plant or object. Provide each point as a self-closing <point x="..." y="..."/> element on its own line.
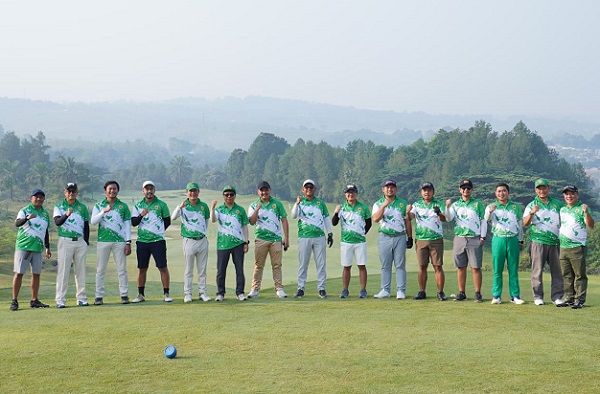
<point x="575" y="219"/>
<point x="232" y="240"/>
<point x="73" y="221"/>
<point x="356" y="222"/>
<point x="32" y="239"/>
<point x="470" y="229"/>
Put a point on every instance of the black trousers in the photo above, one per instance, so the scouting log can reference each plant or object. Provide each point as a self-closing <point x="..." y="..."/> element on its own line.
<point x="237" y="255"/>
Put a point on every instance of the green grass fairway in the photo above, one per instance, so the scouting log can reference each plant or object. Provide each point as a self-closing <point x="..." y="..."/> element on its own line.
<point x="309" y="345"/>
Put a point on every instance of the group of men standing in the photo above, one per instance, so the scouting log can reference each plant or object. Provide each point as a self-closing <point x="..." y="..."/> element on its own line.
<point x="558" y="238"/>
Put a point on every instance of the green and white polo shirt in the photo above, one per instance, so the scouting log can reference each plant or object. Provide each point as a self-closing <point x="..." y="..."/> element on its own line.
<point x="468" y="218"/>
<point x="545" y="223"/>
<point x="115" y="225"/>
<point x="194" y="219"/>
<point x="152" y="226"/>
<point x="311" y="218"/>
<point x="231" y="222"/>
<point x="268" y="224"/>
<point x="354" y="220"/>
<point x="507" y="219"/>
<point x="392" y="222"/>
<point x="429" y="225"/>
<point x="573" y="231"/>
<point x="31" y="235"/>
<point x="73" y="226"/>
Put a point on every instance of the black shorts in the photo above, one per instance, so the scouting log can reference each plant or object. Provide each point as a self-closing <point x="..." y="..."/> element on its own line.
<point x="156" y="249"/>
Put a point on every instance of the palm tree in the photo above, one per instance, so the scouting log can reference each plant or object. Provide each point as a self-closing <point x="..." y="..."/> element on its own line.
<point x="9" y="175"/>
<point x="180" y="170"/>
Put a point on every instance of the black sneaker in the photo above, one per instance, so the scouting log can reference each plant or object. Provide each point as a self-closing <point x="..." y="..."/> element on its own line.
<point x="577" y="305"/>
<point x="420" y="296"/>
<point x="441" y="296"/>
<point x="345" y="293"/>
<point x="124" y="300"/>
<point x="98" y="301"/>
<point x="461" y="296"/>
<point x="322" y="294"/>
<point x="478" y="297"/>
<point x="37" y="304"/>
<point x="299" y="293"/>
<point x="14" y="305"/>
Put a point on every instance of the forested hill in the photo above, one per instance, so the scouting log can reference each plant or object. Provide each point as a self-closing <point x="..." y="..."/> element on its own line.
<point x="218" y="122"/>
<point x="516" y="157"/>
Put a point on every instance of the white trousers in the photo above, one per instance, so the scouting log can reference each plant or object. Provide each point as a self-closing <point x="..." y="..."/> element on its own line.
<point x="103" y="252"/>
<point x="70" y="252"/>
<point x="195" y="252"/>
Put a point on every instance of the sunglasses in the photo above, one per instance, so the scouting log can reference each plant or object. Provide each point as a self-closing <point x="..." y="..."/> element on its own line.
<point x="229" y="194"/>
<point x="466" y="188"/>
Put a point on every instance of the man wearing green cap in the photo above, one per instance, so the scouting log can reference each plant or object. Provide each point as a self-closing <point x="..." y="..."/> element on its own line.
<point x="194" y="223"/>
<point x="232" y="240"/>
<point x="542" y="215"/>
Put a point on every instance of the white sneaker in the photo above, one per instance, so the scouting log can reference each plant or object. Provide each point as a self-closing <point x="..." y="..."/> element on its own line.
<point x="138" y="299"/>
<point x="400" y="295"/>
<point x="559" y="302"/>
<point x="382" y="294"/>
<point x="169" y="299"/>
<point x="241" y="297"/>
<point x="518" y="301"/>
<point x="253" y="294"/>
<point x="204" y="297"/>
<point x="538" y="301"/>
<point x="220" y="297"/>
<point x="496" y="300"/>
<point x="281" y="294"/>
<point x="187" y="298"/>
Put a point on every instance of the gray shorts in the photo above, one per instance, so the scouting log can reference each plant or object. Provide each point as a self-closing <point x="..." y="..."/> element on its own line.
<point x="467" y="251"/>
<point x="25" y="258"/>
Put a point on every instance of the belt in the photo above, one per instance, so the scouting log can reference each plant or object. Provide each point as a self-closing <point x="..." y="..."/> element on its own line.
<point x="71" y="238"/>
<point x="394" y="235"/>
<point x="197" y="238"/>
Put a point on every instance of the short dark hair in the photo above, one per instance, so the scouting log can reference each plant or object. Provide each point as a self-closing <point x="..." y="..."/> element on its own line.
<point x="502" y="184"/>
<point x="112" y="183"/>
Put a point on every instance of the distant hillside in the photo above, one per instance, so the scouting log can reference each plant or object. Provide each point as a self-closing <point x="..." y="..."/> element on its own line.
<point x="229" y="123"/>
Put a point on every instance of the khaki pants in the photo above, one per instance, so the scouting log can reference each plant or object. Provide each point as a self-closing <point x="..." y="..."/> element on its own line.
<point x="261" y="250"/>
<point x="572" y="263"/>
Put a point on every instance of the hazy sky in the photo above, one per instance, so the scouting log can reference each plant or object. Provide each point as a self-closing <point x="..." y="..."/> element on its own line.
<point x="453" y="57"/>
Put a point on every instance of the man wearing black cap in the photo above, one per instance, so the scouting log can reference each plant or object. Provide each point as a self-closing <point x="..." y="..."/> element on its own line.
<point x="395" y="236"/>
<point x="73" y="221"/>
<point x="470" y="229"/>
<point x="429" y="236"/>
<point x="232" y="240"/>
<point x="270" y="218"/>
<point x="356" y="222"/>
<point x="32" y="238"/>
<point x="313" y="216"/>
<point x="543" y="217"/>
<point x="575" y="219"/>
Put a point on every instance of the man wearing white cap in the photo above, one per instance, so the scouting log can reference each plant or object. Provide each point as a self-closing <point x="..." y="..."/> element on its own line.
<point x="153" y="218"/>
<point x="313" y="216"/>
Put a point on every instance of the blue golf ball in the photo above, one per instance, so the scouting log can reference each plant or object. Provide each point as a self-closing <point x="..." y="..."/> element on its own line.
<point x="170" y="351"/>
